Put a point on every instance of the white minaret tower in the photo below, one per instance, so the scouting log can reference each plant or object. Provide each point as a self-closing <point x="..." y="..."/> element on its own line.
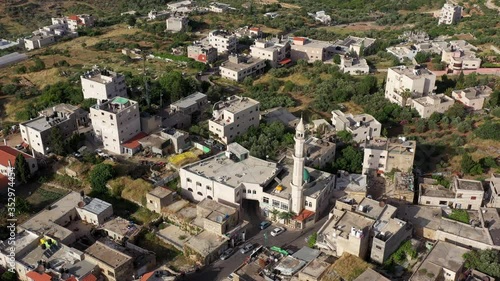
<point x="298" y="168"/>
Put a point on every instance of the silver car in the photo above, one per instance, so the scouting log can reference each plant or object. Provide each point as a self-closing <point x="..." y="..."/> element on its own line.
<point x="246" y="248"/>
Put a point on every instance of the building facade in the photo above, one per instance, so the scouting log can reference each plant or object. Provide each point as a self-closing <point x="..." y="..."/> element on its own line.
<point x="8" y="160"/>
<point x="202" y="53"/>
<point x="362" y="126"/>
<point x="474" y="97"/>
<point x="177" y="24"/>
<point x="232" y="117"/>
<point x="191" y="104"/>
<point x="494" y="195"/>
<point x="310" y="50"/>
<point x="382" y="155"/>
<point x="404" y="84"/>
<point x="276" y="51"/>
<point x="237" y="68"/>
<point x="115" y="122"/>
<point x="450" y="14"/>
<point x="427" y="105"/>
<point x="223" y="41"/>
<point x="103" y="85"/>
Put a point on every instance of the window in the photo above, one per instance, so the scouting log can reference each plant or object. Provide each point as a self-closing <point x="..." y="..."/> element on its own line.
<point x="442" y="202"/>
<point x="199" y="193"/>
<point x="310" y="204"/>
<point x="284" y="206"/>
<point x="265" y="200"/>
<point x="378" y="247"/>
<point x="473" y="198"/>
<point x="276" y="203"/>
<point x="371" y="156"/>
<point x="210" y="197"/>
<point x="209" y="188"/>
<point x="254" y="192"/>
<point x="188" y="180"/>
<point x="198" y="183"/>
<point x="249" y="191"/>
<point x="111" y="273"/>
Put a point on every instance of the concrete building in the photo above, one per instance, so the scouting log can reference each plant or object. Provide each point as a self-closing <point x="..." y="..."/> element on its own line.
<point x="181" y="6"/>
<point x="179" y="139"/>
<point x="414" y="36"/>
<point x="202" y="52"/>
<point x="74" y="22"/>
<point x="49" y="34"/>
<point x="311" y="50"/>
<point x="350" y="189"/>
<point x="444" y="262"/>
<point x="38" y="41"/>
<point x="103" y="85"/>
<point x="94" y="210"/>
<point x="355" y="44"/>
<point x="177" y="23"/>
<point x="276" y="51"/>
<point x="418" y="81"/>
<point x="320" y="152"/>
<point x="6" y="44"/>
<point x="120" y="262"/>
<point x="8" y="160"/>
<point x="120" y="229"/>
<point x="217" y="218"/>
<point x="494" y="192"/>
<point x="463" y="194"/>
<point x="322" y="17"/>
<point x="362" y="126"/>
<point x="427" y="105"/>
<point x="237" y="68"/>
<point x="354" y="65"/>
<point x="233" y="117"/>
<point x="450" y="14"/>
<point x="473" y="98"/>
<point x="159" y="198"/>
<point x="370" y="275"/>
<point x="194" y="103"/>
<point x="37" y="132"/>
<point x="460" y="55"/>
<point x="218" y="7"/>
<point x="223" y="41"/>
<point x="250" y="32"/>
<point x="116" y="122"/>
<point x="403" y="52"/>
<point x="382" y="155"/>
<point x="315" y="269"/>
<point x="233" y="175"/>
<point x="206" y="247"/>
<point x="280" y="114"/>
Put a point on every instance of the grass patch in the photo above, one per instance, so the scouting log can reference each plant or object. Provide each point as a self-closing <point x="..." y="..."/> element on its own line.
<point x="163" y="251"/>
<point x="348" y="268"/>
<point x="132" y="190"/>
<point x="144" y="216"/>
<point x="67" y="182"/>
<point x="459" y="215"/>
<point x="183" y="158"/>
<point x="43" y="197"/>
<point x="402" y="254"/>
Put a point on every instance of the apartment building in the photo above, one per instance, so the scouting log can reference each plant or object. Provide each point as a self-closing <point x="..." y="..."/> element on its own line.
<point x="237" y="68"/>
<point x="177" y="23"/>
<point x="38" y="41"/>
<point x="462" y="194"/>
<point x="382" y="155"/>
<point x="103" y="85"/>
<point x="417" y="81"/>
<point x="450" y="14"/>
<point x="74" y="22"/>
<point x="8" y="157"/>
<point x="181" y="6"/>
<point x="321" y="16"/>
<point x="202" y="52"/>
<point x="427" y="105"/>
<point x="494" y="192"/>
<point x="115" y="122"/>
<point x="361" y="126"/>
<point x="311" y="50"/>
<point x="193" y="103"/>
<point x="473" y="98"/>
<point x="276" y="51"/>
<point x="354" y="65"/>
<point x="223" y="41"/>
<point x="37" y="132"/>
<point x="402" y="52"/>
<point x="49" y="34"/>
<point x="320" y="152"/>
<point x="233" y="117"/>
<point x="358" y="45"/>
<point x="218" y="7"/>
<point x="444" y="262"/>
<point x="250" y="32"/>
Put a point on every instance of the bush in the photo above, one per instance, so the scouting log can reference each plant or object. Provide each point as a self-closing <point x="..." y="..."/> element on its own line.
<point x="312" y="240"/>
<point x="489" y="130"/>
<point x="39" y="65"/>
<point x="487" y="261"/>
<point x="460" y="215"/>
<point x="99" y="176"/>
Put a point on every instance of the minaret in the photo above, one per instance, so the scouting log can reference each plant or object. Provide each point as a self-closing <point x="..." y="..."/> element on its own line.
<point x="298" y="168"/>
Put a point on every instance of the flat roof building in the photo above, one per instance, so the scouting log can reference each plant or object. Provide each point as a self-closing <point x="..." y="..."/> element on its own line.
<point x="494" y="191"/>
<point x="196" y="102"/>
<point x="404" y="83"/>
<point x="103" y="85"/>
<point x="362" y="126"/>
<point x="223" y="41"/>
<point x="310" y="50"/>
<point x="473" y="98"/>
<point x="202" y="52"/>
<point x="275" y="50"/>
<point x="358" y="45"/>
<point x="450" y="14"/>
<point x="237" y="68"/>
<point x="354" y="65"/>
<point x="320" y="152"/>
<point x="121" y="230"/>
<point x="280" y="114"/>
<point x="427" y="105"/>
<point x="177" y="23"/>
<point x="384" y="155"/>
<point x="233" y="117"/>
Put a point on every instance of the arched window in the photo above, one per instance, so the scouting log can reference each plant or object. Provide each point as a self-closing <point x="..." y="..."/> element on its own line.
<point x="190" y="189"/>
<point x="199" y="193"/>
<point x="209" y="197"/>
<point x="254" y="192"/>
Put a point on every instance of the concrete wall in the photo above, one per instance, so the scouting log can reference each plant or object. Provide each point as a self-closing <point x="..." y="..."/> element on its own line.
<point x="155" y="204"/>
<point x="242" y="121"/>
<point x="381" y="250"/>
<point x="122" y="273"/>
<point x="113" y="87"/>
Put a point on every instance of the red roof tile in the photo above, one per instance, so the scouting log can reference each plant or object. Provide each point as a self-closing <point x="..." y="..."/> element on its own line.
<point x="285" y="61"/>
<point x="73" y="17"/>
<point x="299" y="39"/>
<point x="8" y="153"/>
<point x="35" y="276"/>
<point x="89" y="277"/>
<point x="146" y="276"/>
<point x="305" y="214"/>
<point x="134" y="142"/>
<point x="255" y="28"/>
<point x="72" y="278"/>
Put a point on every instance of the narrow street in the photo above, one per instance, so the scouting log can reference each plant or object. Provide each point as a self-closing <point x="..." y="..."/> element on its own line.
<point x="291" y="239"/>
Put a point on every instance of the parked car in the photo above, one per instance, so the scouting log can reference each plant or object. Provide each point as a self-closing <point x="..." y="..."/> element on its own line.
<point x="77" y="155"/>
<point x="227" y="253"/>
<point x="247" y="248"/>
<point x="265" y="224"/>
<point x="277" y="231"/>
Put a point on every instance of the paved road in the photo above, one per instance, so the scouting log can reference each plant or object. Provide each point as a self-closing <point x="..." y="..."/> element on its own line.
<point x="290" y="239"/>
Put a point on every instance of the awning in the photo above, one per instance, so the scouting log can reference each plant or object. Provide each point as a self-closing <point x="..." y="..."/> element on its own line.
<point x="285" y="61"/>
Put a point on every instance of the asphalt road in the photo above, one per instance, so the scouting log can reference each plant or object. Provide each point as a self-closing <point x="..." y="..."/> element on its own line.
<point x="290" y="240"/>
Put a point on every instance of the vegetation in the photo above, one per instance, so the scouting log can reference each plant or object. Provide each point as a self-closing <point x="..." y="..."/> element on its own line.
<point x="164" y="252"/>
<point x="350" y="159"/>
<point x="489" y="130"/>
<point x="311" y="242"/>
<point x="266" y="140"/>
<point x="99" y="177"/>
<point x="460" y="215"/>
<point x="402" y="254"/>
<point x="487" y="261"/>
<point x="469" y="166"/>
<point x="22" y="169"/>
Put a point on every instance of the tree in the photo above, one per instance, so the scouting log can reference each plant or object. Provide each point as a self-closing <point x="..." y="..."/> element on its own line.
<point x="336" y="59"/>
<point x="131" y="20"/>
<point x="9" y="89"/>
<point x="39" y="65"/>
<point x="312" y="240"/>
<point x="460" y="80"/>
<point x="494" y="99"/>
<point x="287" y="216"/>
<point x="9" y="276"/>
<point x="487" y="261"/>
<point x="469" y="166"/>
<point x="421" y="126"/>
<point x="344" y="136"/>
<point x="406" y="94"/>
<point x="22" y="169"/>
<point x="350" y="160"/>
<point x="422" y="57"/>
<point x="175" y="85"/>
<point x="274" y="214"/>
<point x="456" y="110"/>
<point x="99" y="176"/>
<point x="56" y="140"/>
<point x="489" y="130"/>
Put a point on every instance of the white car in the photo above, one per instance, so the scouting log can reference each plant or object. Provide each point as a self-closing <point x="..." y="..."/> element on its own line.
<point x="277" y="231"/>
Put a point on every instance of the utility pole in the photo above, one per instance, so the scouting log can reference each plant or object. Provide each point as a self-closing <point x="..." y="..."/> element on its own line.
<point x="145" y="78"/>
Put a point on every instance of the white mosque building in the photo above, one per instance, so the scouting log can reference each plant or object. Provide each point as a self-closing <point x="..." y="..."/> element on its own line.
<point x="232" y="176"/>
